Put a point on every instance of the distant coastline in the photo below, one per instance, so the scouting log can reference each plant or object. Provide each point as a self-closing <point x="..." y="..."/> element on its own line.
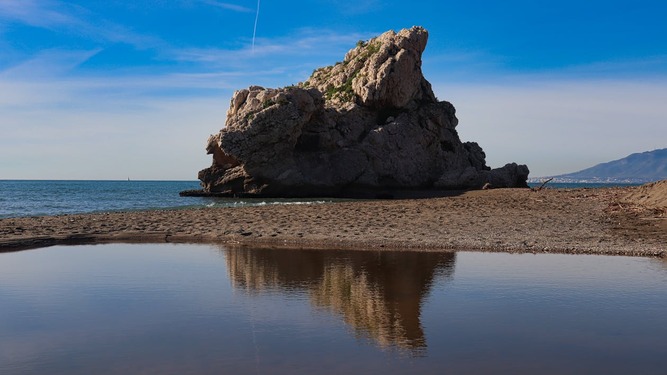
<point x="638" y="168"/>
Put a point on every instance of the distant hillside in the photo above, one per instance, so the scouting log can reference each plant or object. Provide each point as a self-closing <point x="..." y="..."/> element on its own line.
<point x="637" y="168"/>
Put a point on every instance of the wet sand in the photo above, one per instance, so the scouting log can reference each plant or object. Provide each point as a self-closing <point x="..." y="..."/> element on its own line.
<point x="586" y="221"/>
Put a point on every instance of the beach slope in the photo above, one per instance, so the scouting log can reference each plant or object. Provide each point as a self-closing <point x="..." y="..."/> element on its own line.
<point x="611" y="221"/>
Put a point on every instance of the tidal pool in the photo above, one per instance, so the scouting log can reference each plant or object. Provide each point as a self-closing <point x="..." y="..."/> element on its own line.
<point x="200" y="309"/>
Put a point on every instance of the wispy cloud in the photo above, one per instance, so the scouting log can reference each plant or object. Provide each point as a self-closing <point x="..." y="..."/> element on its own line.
<point x="228" y="6"/>
<point x="637" y="67"/>
<point x="557" y="125"/>
<point x="51" y="78"/>
<point x="36" y="13"/>
<point x="61" y="125"/>
<point x="483" y="66"/>
<point x="48" y="63"/>
<point x="305" y="42"/>
<point x="73" y="20"/>
<point x="274" y="62"/>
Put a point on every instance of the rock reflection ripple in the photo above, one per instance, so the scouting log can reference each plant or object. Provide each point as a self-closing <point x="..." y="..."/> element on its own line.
<point x="378" y="294"/>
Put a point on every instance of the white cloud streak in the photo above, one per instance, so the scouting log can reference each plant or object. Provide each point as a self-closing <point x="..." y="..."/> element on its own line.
<point x="228" y="6"/>
<point x="62" y="17"/>
<point x="50" y="78"/>
<point x="306" y="42"/>
<point x="36" y="13"/>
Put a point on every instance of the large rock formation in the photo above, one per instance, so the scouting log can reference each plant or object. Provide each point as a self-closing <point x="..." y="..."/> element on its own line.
<point x="369" y="125"/>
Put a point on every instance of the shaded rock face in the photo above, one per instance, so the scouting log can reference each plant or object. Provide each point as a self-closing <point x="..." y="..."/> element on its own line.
<point x="368" y="124"/>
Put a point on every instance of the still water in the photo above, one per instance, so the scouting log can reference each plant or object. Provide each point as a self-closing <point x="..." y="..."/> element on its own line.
<point x="195" y="309"/>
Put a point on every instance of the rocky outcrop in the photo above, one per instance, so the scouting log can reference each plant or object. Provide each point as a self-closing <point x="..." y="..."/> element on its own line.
<point x="368" y="125"/>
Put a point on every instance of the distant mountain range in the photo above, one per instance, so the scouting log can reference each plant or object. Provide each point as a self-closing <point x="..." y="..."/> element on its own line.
<point x="637" y="168"/>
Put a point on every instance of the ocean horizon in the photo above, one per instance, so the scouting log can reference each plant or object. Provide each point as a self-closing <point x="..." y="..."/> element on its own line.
<point x="21" y="198"/>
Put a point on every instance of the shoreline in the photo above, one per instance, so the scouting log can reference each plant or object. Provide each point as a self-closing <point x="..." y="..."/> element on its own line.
<point x="572" y="221"/>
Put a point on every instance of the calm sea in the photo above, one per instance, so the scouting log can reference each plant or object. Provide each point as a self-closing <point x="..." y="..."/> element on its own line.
<point x="40" y="197"/>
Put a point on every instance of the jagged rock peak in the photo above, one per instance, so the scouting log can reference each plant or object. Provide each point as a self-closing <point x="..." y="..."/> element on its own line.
<point x="382" y="72"/>
<point x="362" y="127"/>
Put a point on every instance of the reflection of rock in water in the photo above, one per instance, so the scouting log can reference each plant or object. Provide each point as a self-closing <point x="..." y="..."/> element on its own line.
<point x="379" y="294"/>
<point x="257" y="270"/>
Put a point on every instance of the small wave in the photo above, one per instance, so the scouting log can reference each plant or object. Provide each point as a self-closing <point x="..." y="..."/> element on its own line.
<point x="244" y="203"/>
<point x="310" y="202"/>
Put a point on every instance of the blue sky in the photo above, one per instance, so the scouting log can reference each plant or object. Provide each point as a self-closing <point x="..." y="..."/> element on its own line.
<point x="116" y="89"/>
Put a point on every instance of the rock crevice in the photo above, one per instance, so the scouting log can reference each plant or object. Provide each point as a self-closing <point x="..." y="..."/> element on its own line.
<point x="369" y="124"/>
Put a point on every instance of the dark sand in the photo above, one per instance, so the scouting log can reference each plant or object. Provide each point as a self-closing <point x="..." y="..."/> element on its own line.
<point x="587" y="221"/>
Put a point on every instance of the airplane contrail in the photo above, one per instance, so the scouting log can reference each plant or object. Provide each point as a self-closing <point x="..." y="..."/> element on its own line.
<point x="254" y="30"/>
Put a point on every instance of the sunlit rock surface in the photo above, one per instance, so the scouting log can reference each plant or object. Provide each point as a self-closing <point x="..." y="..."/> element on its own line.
<point x="367" y="126"/>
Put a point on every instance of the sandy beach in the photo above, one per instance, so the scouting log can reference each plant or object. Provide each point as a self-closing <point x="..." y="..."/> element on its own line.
<point x="583" y="221"/>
